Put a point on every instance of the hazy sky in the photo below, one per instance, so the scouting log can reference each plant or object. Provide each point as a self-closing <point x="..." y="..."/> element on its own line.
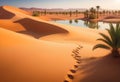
<point x="109" y="4"/>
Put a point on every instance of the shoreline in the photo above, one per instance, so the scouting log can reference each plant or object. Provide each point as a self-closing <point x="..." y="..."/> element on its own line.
<point x="107" y="19"/>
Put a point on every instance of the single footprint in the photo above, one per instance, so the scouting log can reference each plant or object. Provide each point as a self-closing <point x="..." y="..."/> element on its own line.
<point x="76" y="66"/>
<point x="70" y="76"/>
<point x="73" y="71"/>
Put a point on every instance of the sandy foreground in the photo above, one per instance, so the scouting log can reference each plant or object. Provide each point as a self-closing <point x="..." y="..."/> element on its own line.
<point x="35" y="50"/>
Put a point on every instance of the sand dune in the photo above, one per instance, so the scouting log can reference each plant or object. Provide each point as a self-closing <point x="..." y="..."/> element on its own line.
<point x="40" y="28"/>
<point x="23" y="23"/>
<point x="10" y="25"/>
<point x="5" y="14"/>
<point x="26" y="59"/>
<point x="46" y="56"/>
<point x="14" y="10"/>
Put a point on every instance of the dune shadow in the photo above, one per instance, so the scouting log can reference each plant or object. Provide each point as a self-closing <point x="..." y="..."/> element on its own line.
<point x="105" y="69"/>
<point x="4" y="14"/>
<point x="38" y="29"/>
<point x="32" y="34"/>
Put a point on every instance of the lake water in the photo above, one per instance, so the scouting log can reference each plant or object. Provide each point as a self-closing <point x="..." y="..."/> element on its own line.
<point x="84" y="24"/>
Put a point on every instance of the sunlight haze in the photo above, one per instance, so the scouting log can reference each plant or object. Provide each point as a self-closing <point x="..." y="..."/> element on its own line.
<point x="106" y="4"/>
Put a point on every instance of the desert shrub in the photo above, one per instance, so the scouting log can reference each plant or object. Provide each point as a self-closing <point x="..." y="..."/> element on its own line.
<point x="35" y="13"/>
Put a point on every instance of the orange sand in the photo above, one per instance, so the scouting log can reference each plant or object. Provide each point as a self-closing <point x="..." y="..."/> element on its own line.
<point x="34" y="50"/>
<point x="60" y="17"/>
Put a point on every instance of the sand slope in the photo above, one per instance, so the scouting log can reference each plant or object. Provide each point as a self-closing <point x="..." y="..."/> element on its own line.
<point x="25" y="59"/>
<point x="22" y="22"/>
<point x="104" y="69"/>
<point x="5" y="14"/>
<point x="46" y="56"/>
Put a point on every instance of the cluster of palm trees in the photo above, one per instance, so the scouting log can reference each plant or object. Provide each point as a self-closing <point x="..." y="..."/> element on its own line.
<point x="92" y="13"/>
<point x="45" y="12"/>
<point x="35" y="13"/>
<point x="112" y="42"/>
<point x="109" y="12"/>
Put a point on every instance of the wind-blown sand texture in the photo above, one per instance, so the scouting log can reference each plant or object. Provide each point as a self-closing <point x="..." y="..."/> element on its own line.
<point x="34" y="50"/>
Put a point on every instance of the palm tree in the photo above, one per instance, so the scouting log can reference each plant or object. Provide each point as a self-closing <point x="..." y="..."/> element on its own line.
<point x="92" y="10"/>
<point x="98" y="7"/>
<point x="45" y="12"/>
<point x="36" y="13"/>
<point x="76" y="13"/>
<point x="112" y="41"/>
<point x="86" y="14"/>
<point x="92" y="14"/>
<point x="103" y="12"/>
<point x="119" y="12"/>
<point x="70" y="13"/>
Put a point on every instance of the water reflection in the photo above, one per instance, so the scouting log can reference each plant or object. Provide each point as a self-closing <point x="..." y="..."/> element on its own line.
<point x="70" y="21"/>
<point x="76" y="21"/>
<point x="86" y="24"/>
<point x="90" y="24"/>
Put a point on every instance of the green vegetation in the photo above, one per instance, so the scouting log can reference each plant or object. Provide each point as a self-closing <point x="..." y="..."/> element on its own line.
<point x="112" y="41"/>
<point x="95" y="13"/>
<point x="70" y="13"/>
<point x="47" y="12"/>
<point x="97" y="7"/>
<point x="76" y="13"/>
<point x="35" y="13"/>
<point x="92" y="16"/>
<point x="91" y="13"/>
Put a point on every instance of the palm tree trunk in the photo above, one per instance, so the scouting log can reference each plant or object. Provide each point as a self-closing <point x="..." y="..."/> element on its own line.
<point x="115" y="53"/>
<point x="97" y="13"/>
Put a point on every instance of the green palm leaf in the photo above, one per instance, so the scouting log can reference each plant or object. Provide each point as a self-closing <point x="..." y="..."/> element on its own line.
<point x="101" y="46"/>
<point x="111" y="32"/>
<point x="106" y="39"/>
<point x="112" y="41"/>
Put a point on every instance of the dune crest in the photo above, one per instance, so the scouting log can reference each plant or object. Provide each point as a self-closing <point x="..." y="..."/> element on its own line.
<point x="40" y="28"/>
<point x="22" y="22"/>
<point x="14" y="9"/>
<point x="4" y="14"/>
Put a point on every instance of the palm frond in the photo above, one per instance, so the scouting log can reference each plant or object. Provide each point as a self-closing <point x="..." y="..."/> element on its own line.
<point x="107" y="38"/>
<point x="101" y="46"/>
<point x="111" y="41"/>
<point x="111" y="32"/>
<point x="105" y="41"/>
<point x="117" y="27"/>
